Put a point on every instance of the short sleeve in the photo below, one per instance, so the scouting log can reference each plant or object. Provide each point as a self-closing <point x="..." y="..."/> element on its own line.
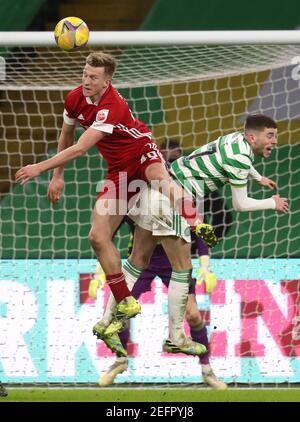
<point x="68" y="119"/>
<point x="68" y="115"/>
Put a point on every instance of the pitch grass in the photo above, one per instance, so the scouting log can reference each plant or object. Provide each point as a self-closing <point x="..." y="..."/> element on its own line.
<point x="151" y="395"/>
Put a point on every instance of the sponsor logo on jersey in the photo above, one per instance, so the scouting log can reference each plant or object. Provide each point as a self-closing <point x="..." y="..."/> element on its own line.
<point x="102" y="116"/>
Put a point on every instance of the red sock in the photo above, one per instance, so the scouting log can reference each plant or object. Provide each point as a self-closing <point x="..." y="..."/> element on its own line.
<point x="118" y="286"/>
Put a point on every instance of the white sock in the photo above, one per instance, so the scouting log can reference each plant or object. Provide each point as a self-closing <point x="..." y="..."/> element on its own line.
<point x="109" y="310"/>
<point x="121" y="360"/>
<point x="177" y="300"/>
<point x="206" y="368"/>
<point x="131" y="273"/>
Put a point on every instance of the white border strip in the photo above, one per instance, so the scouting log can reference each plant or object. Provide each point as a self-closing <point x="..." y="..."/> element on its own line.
<point x="99" y="38"/>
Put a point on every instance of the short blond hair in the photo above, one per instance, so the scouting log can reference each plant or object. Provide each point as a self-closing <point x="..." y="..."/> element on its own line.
<point x="99" y="59"/>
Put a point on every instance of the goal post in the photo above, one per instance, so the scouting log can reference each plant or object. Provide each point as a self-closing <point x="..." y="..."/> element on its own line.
<point x="192" y="86"/>
<point x="127" y="38"/>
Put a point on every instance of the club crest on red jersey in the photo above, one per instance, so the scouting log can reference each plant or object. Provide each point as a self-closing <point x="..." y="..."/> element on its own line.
<point x="102" y="116"/>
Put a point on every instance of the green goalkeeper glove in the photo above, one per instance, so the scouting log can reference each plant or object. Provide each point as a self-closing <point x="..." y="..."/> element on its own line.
<point x="97" y="282"/>
<point x="207" y="234"/>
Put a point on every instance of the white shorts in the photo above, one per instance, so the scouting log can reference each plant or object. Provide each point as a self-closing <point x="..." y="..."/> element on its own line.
<point x="152" y="211"/>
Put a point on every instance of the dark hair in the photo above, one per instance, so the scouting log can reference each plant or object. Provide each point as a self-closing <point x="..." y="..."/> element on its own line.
<point x="170" y="143"/>
<point x="259" y="122"/>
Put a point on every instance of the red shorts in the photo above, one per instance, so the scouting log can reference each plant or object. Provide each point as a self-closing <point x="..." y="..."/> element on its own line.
<point x="124" y="182"/>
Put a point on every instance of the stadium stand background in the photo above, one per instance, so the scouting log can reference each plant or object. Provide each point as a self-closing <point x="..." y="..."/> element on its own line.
<point x="220" y="15"/>
<point x="19" y="14"/>
<point x="62" y="231"/>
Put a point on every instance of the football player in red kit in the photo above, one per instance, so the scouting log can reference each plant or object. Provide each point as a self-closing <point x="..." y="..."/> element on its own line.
<point x="127" y="146"/>
<point x="132" y="157"/>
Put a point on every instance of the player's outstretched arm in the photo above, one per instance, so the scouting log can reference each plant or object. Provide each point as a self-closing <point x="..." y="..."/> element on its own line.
<point x="85" y="142"/>
<point x="242" y="202"/>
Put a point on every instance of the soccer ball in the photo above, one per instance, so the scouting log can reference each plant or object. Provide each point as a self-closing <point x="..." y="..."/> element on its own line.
<point x="71" y="33"/>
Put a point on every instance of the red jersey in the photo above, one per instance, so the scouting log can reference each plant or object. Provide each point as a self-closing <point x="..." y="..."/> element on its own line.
<point x="112" y="115"/>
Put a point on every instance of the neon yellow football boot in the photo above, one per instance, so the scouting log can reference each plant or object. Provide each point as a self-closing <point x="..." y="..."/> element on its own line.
<point x="112" y="341"/>
<point x="127" y="308"/>
<point x="116" y="326"/>
<point x="189" y="347"/>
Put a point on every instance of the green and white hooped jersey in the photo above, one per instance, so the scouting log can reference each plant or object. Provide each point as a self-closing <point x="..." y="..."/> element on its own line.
<point x="226" y="160"/>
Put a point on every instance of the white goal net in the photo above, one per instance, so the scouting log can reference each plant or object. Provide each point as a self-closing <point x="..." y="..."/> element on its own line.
<point x="191" y="93"/>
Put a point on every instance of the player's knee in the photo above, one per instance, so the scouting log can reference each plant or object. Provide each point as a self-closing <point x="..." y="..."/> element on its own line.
<point x="96" y="240"/>
<point x="193" y="318"/>
<point x="139" y="259"/>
